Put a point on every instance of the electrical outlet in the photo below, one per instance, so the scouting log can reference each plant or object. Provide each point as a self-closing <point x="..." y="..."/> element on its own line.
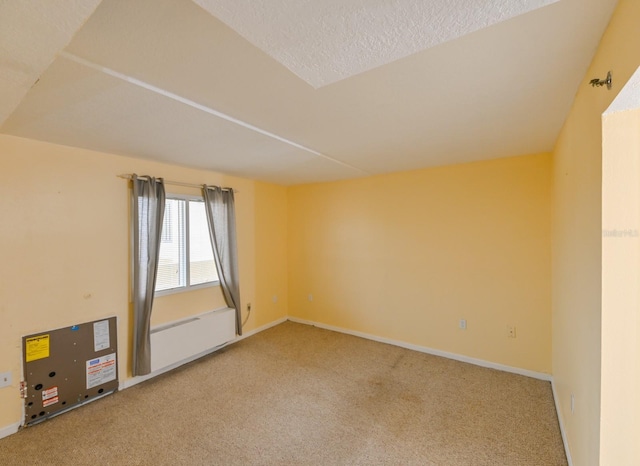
<point x="248" y="307"/>
<point x="511" y="331"/>
<point x="463" y="324"/>
<point x="573" y="403"/>
<point x="5" y="379"/>
<point x="310" y="297"/>
<point x="274" y="298"/>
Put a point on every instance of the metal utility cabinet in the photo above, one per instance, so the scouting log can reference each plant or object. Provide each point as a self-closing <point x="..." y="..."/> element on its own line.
<point x="67" y="367"/>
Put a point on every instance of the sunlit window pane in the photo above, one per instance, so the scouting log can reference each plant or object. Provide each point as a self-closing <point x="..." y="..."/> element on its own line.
<point x="171" y="265"/>
<point x="185" y="255"/>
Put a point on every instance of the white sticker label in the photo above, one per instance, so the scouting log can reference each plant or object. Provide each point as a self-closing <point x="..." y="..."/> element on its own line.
<point x="49" y="396"/>
<point x="101" y="370"/>
<point x="49" y="393"/>
<point x="101" y="339"/>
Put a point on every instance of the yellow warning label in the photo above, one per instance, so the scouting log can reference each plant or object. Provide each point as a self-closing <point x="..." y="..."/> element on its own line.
<point x="37" y="348"/>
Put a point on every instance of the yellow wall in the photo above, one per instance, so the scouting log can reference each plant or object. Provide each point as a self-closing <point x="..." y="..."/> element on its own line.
<point x="405" y="256"/>
<point x="620" y="403"/>
<point x="577" y="238"/>
<point x="64" y="246"/>
<point x="401" y="256"/>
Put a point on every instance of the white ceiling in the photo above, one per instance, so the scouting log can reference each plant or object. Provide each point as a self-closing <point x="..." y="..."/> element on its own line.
<point x="167" y="80"/>
<point x="327" y="41"/>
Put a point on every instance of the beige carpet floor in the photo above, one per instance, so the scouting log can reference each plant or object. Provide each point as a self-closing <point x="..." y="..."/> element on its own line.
<point x="299" y="395"/>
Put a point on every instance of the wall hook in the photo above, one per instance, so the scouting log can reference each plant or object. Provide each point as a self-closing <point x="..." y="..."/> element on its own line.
<point x="601" y="82"/>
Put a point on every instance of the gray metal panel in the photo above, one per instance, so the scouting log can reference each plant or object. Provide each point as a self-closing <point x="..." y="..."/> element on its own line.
<point x="67" y="367"/>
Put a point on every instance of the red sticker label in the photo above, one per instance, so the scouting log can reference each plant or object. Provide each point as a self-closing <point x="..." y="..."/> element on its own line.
<point x="50" y="401"/>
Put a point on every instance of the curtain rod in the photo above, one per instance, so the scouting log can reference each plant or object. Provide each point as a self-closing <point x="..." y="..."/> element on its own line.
<point x="176" y="183"/>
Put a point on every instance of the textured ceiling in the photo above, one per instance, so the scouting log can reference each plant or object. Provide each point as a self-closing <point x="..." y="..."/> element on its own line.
<point x="326" y="41"/>
<point x="166" y="80"/>
<point x="629" y="97"/>
<point x="32" y="32"/>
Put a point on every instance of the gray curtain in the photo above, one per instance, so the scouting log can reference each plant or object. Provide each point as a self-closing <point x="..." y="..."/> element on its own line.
<point x="220" y="208"/>
<point x="148" y="199"/>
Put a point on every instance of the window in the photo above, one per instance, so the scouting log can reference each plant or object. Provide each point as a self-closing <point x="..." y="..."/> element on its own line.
<point x="186" y="256"/>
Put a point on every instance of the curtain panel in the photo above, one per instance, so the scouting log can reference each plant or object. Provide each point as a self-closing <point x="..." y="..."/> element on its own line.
<point x="220" y="208"/>
<point x="148" y="200"/>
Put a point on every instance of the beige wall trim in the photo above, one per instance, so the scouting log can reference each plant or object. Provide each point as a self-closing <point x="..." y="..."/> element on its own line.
<point x="260" y="329"/>
<point x="10" y="429"/>
<point x="565" y="440"/>
<point x="435" y="352"/>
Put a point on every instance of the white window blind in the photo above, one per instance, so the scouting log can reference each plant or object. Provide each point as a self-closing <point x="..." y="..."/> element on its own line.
<point x="186" y="256"/>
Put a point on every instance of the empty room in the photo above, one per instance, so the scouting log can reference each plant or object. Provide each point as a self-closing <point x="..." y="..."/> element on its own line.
<point x="332" y="232"/>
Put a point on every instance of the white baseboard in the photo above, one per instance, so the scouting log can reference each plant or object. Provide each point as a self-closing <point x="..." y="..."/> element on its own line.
<point x="13" y="428"/>
<point x="457" y="357"/>
<point x="136" y="380"/>
<point x="261" y="329"/>
<point x="563" y="432"/>
<point x="9" y="430"/>
<point x="435" y="352"/>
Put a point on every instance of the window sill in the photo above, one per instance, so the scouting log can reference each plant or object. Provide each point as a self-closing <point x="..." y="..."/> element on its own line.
<point x="186" y="289"/>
